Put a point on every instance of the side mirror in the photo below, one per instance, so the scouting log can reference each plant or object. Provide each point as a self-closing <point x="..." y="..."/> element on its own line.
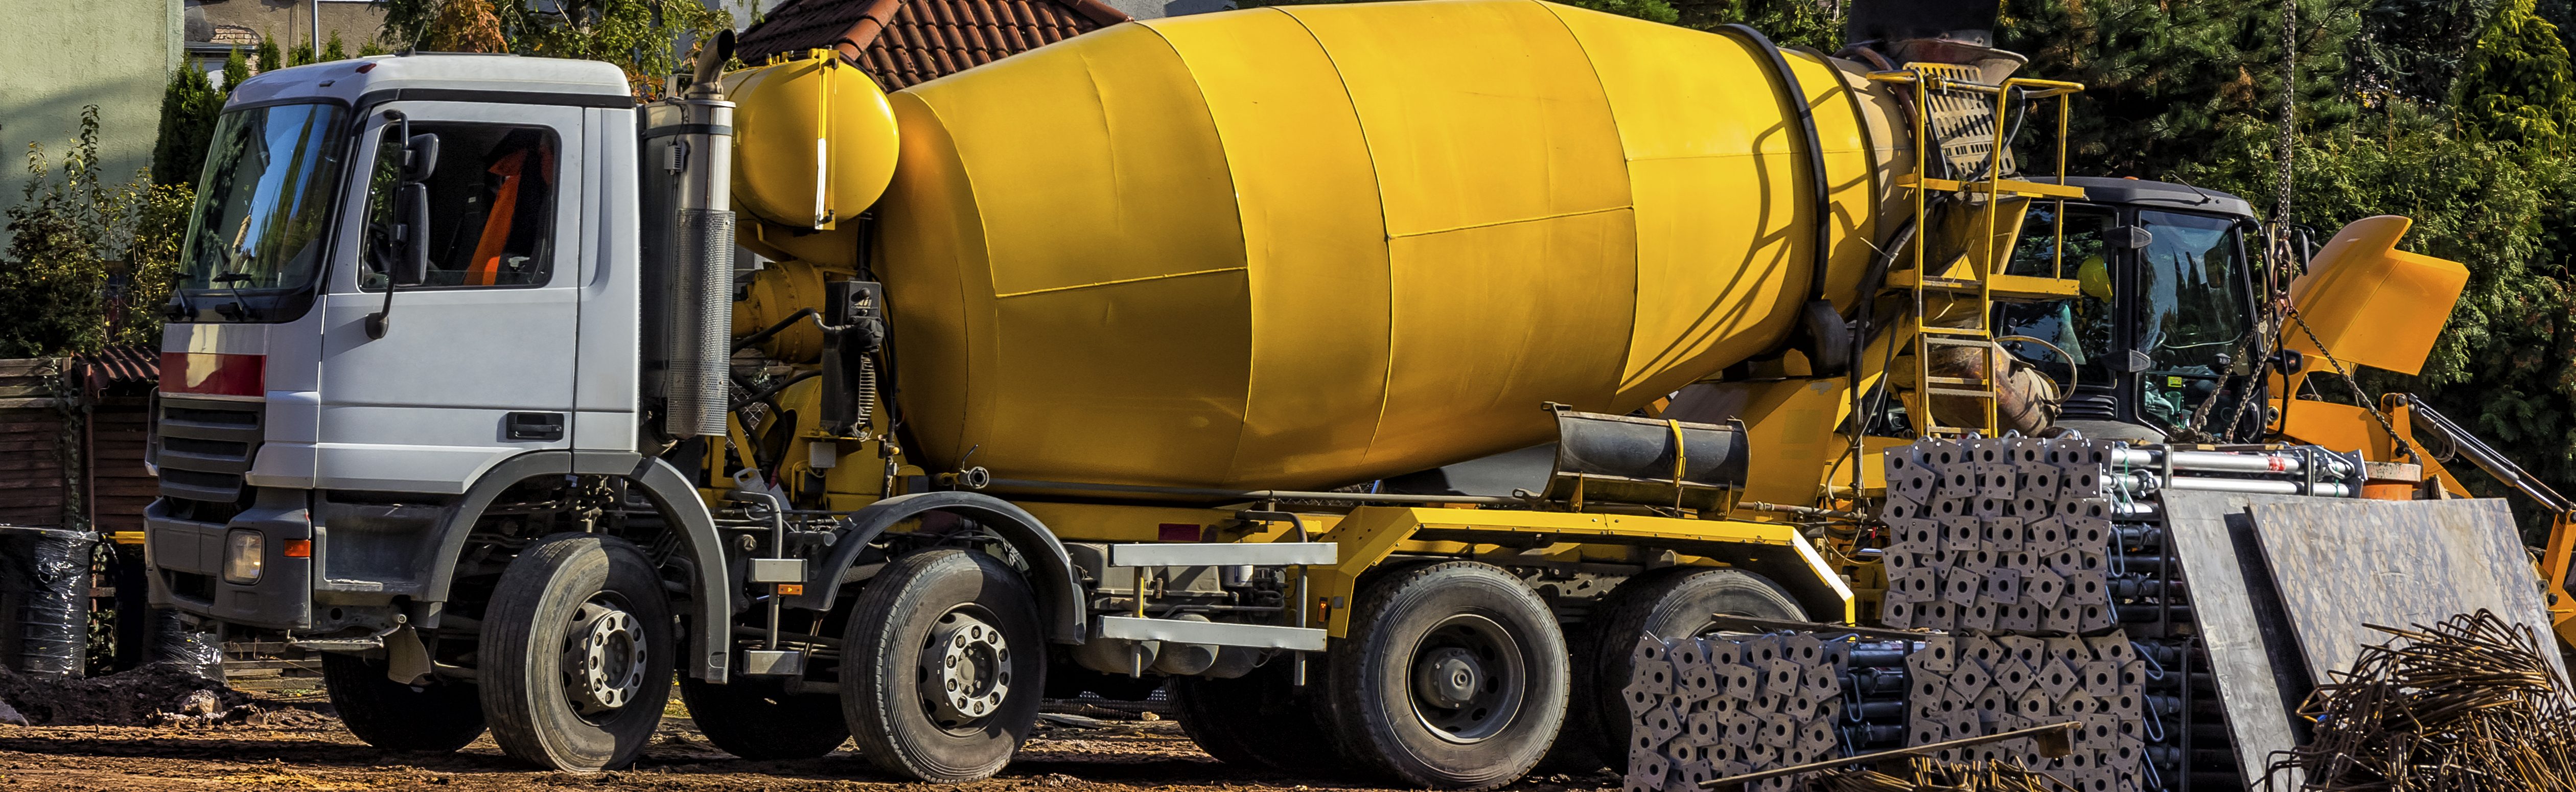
<point x="420" y="157"/>
<point x="411" y="245"/>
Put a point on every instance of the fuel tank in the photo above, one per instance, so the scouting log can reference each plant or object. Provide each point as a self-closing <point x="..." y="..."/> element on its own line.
<point x="1308" y="246"/>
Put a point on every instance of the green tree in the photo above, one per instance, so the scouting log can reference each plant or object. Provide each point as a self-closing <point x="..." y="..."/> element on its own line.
<point x="2171" y="84"/>
<point x="236" y="69"/>
<point x="2415" y="49"/>
<point x="189" y="105"/>
<point x="640" y="36"/>
<point x="371" y="49"/>
<point x="267" y="59"/>
<point x="333" y="50"/>
<point x="300" y="54"/>
<point x="1649" y="10"/>
<point x="2516" y="85"/>
<point x="88" y="262"/>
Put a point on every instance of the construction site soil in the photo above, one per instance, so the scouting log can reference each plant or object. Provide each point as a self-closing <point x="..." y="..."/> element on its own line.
<point x="290" y="741"/>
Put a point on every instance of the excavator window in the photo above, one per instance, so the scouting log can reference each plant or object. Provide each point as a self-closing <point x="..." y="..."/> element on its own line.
<point x="2080" y="325"/>
<point x="2194" y="314"/>
<point x="491" y="205"/>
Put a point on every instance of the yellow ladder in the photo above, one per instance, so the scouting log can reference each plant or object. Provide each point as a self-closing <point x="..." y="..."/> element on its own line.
<point x="1963" y="118"/>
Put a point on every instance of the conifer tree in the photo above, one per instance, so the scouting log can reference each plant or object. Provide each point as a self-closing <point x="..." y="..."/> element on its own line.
<point x="189" y="105"/>
<point x="267" y="59"/>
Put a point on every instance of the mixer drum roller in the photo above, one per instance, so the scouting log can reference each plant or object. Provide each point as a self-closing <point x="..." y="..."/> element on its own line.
<point x="1305" y="246"/>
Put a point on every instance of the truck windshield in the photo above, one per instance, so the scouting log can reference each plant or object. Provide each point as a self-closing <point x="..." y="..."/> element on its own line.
<point x="263" y="205"/>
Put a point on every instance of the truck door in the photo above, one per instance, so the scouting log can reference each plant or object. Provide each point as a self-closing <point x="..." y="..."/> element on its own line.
<point x="476" y="364"/>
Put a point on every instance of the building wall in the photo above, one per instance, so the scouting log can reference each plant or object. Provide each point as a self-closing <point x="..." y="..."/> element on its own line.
<point x="60" y="55"/>
<point x="1157" y="9"/>
<point x="290" y="22"/>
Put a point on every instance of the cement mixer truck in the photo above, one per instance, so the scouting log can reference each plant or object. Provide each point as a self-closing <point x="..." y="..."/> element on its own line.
<point x="1325" y="366"/>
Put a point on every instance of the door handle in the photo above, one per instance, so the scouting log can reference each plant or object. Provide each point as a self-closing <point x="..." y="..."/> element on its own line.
<point x="533" y="426"/>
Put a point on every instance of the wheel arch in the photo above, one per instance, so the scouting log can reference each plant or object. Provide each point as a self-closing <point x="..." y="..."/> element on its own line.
<point x="662" y="485"/>
<point x="1060" y="595"/>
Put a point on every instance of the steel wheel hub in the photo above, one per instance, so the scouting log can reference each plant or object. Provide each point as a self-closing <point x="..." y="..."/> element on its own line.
<point x="603" y="661"/>
<point x="966" y="669"/>
<point x="1468" y="678"/>
<point x="1448" y="677"/>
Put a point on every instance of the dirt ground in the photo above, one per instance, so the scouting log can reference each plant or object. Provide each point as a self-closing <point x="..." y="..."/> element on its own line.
<point x="293" y="744"/>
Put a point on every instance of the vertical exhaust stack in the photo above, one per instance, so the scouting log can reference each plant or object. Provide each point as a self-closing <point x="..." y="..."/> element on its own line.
<point x="689" y="256"/>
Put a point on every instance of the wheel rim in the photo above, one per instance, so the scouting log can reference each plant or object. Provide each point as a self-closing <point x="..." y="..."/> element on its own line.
<point x="603" y="659"/>
<point x="965" y="669"/>
<point x="1467" y="678"/>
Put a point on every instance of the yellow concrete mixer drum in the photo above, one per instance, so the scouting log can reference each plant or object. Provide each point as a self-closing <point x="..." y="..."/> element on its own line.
<point x="1305" y="246"/>
<point x="817" y="142"/>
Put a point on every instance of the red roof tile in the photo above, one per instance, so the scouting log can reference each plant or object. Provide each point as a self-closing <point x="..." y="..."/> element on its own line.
<point x="117" y="367"/>
<point x="903" y="43"/>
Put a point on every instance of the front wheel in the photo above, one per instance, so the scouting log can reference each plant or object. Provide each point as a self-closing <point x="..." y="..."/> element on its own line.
<point x="1454" y="676"/>
<point x="577" y="654"/>
<point x="942" y="666"/>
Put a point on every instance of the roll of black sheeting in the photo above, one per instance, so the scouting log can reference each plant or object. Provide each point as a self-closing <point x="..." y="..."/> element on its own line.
<point x="44" y="599"/>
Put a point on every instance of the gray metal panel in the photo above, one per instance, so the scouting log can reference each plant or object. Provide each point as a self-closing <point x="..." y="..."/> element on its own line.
<point x="2240" y="620"/>
<point x="2342" y="564"/>
<point x="1258" y="636"/>
<point x="1222" y="554"/>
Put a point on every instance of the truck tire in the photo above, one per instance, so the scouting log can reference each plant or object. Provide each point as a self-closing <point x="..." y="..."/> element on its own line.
<point x="942" y="666"/>
<point x="1454" y="676"/>
<point x="1257" y="720"/>
<point x="441" y="716"/>
<point x="577" y="653"/>
<point x="1671" y="602"/>
<point x="758" y="719"/>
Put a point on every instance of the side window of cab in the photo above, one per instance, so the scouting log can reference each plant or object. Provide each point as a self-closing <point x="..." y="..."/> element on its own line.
<point x="491" y="206"/>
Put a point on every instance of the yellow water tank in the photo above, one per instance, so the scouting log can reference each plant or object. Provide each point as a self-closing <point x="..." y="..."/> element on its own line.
<point x="817" y="139"/>
<point x="1311" y="245"/>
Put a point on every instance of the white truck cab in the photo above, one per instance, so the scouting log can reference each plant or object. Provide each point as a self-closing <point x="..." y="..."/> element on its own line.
<point x="411" y="289"/>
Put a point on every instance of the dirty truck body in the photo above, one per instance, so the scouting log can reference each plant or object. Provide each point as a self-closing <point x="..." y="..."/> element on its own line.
<point x="1315" y="362"/>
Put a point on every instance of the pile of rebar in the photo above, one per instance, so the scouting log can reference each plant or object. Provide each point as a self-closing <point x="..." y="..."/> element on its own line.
<point x="2467" y="704"/>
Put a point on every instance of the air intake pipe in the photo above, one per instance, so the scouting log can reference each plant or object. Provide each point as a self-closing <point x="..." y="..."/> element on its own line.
<point x="691" y="138"/>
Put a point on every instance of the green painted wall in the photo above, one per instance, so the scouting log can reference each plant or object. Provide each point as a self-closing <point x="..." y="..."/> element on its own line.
<point x="57" y="56"/>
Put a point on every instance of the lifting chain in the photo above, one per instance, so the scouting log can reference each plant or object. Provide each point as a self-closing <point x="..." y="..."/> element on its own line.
<point x="2367" y="403"/>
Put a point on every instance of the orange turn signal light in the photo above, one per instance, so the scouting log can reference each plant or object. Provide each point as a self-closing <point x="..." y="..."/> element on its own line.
<point x="791" y="589"/>
<point x="299" y="548"/>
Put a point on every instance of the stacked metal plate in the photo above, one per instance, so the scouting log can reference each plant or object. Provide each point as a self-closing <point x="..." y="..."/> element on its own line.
<point x="2045" y="557"/>
<point x="1707" y="708"/>
<point x="2013" y="544"/>
<point x="2000" y="534"/>
<point x="1976" y="685"/>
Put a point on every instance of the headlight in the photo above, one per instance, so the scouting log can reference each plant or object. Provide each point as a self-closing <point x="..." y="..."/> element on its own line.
<point x="244" y="557"/>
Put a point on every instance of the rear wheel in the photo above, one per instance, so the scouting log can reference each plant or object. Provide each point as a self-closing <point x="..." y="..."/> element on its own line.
<point x="1670" y="603"/>
<point x="577" y="653"/>
<point x="942" y="666"/>
<point x="1256" y="720"/>
<point x="1454" y="676"/>
<point x="758" y="719"/>
<point x="440" y="716"/>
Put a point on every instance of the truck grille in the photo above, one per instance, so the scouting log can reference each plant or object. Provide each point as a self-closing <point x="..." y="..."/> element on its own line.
<point x="206" y="446"/>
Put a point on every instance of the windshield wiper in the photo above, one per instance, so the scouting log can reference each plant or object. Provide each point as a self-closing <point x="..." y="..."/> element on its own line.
<point x="238" y="308"/>
<point x="179" y="308"/>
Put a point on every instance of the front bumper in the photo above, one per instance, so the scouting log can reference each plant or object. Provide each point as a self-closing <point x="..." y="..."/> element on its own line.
<point x="185" y="559"/>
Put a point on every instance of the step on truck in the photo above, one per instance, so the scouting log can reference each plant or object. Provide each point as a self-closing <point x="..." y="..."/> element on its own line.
<point x="1311" y="363"/>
